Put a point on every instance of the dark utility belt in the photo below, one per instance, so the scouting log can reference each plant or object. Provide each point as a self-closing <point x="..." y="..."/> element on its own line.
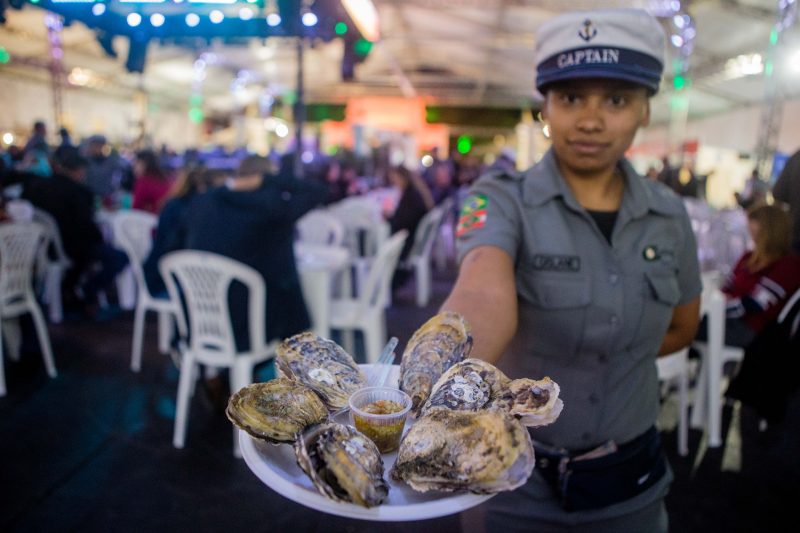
<point x="605" y="475"/>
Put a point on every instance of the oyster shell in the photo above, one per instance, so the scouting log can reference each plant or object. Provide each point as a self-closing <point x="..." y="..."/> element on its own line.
<point x="534" y="401"/>
<point x="469" y="385"/>
<point x="322" y="365"/>
<point x="275" y="411"/>
<point x="441" y="342"/>
<point x="484" y="452"/>
<point x="342" y="463"/>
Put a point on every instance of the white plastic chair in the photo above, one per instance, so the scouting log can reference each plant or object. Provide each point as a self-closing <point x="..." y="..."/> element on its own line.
<point x="365" y="231"/>
<point x="419" y="258"/>
<point x="133" y="231"/>
<point x="674" y="368"/>
<point x="367" y="311"/>
<point x="444" y="247"/>
<point x="714" y="355"/>
<point x="19" y="245"/>
<point x="201" y="280"/>
<point x="319" y="227"/>
<point x="53" y="267"/>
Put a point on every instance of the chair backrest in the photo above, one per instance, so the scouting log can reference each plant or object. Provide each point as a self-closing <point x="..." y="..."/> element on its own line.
<point x="19" y="244"/>
<point x="377" y="286"/>
<point x="319" y="227"/>
<point x="426" y="233"/>
<point x="201" y="280"/>
<point x="52" y="233"/>
<point x="20" y="210"/>
<point x="133" y="231"/>
<point x="365" y="228"/>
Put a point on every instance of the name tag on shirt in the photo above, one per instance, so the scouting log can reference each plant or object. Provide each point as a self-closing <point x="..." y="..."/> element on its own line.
<point x="557" y="263"/>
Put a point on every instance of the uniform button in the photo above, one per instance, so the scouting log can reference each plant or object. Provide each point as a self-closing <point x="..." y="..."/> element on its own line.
<point x="602" y="358"/>
<point x="593" y="398"/>
<point x="586" y="436"/>
<point x="614" y="320"/>
<point x="613" y="279"/>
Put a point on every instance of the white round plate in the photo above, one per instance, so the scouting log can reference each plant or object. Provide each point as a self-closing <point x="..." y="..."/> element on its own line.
<point x="276" y="466"/>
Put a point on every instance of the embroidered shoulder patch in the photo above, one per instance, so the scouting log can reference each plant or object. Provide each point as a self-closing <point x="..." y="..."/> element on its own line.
<point x="473" y="214"/>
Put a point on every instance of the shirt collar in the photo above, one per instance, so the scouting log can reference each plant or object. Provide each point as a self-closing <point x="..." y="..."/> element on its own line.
<point x="543" y="182"/>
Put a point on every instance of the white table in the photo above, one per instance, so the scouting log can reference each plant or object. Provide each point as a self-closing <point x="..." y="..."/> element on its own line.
<point x="318" y="266"/>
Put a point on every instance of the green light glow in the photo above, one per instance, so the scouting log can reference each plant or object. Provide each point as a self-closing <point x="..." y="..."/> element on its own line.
<point x="773" y="37"/>
<point x="679" y="82"/>
<point x="196" y="115"/>
<point x="768" y="68"/>
<point x="5" y="57"/>
<point x="340" y="28"/>
<point x="362" y="47"/>
<point x="464" y="144"/>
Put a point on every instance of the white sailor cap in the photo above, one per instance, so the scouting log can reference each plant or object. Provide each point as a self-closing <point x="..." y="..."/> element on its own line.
<point x="623" y="44"/>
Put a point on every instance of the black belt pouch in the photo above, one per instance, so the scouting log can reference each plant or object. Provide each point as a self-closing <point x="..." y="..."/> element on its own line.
<point x="594" y="483"/>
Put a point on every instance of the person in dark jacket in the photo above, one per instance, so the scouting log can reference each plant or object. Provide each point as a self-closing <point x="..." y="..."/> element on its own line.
<point x="251" y="219"/>
<point x="415" y="201"/>
<point x="171" y="230"/>
<point x="787" y="190"/>
<point x="72" y="206"/>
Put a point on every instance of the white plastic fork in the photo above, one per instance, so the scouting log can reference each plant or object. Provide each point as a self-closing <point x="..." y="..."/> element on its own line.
<point x="380" y="372"/>
<point x="381" y="369"/>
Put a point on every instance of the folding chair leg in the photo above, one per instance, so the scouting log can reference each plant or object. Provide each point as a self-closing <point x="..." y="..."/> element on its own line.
<point x="374" y="339"/>
<point x="52" y="291"/>
<point x="13" y="336"/>
<point x="182" y="403"/>
<point x="683" y="404"/>
<point x="164" y="331"/>
<point x="422" y="273"/>
<point x="44" y="340"/>
<point x="349" y="340"/>
<point x="138" y="338"/>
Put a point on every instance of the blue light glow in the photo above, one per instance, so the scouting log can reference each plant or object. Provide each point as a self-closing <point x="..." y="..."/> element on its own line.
<point x="157" y="20"/>
<point x="134" y="19"/>
<point x="216" y="16"/>
<point x="192" y="20"/>
<point x="273" y="19"/>
<point x="98" y="9"/>
<point x="245" y="13"/>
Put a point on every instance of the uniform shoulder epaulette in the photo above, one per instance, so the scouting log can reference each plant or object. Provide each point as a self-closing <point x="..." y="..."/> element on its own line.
<point x="505" y="175"/>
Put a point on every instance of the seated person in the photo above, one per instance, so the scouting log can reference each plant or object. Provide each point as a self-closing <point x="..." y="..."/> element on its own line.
<point x="762" y="280"/>
<point x="415" y="201"/>
<point x="171" y="232"/>
<point x="152" y="184"/>
<point x="71" y="204"/>
<point x="251" y="219"/>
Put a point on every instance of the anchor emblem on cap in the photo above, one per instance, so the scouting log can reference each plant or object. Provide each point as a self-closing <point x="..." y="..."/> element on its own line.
<point x="588" y="31"/>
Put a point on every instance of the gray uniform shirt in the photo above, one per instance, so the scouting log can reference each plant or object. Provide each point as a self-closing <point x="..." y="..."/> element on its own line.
<point x="592" y="315"/>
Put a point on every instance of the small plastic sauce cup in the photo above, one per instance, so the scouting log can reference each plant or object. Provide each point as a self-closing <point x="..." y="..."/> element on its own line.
<point x="380" y="414"/>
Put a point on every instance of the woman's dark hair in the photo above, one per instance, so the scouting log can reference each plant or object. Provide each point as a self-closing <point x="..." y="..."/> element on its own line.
<point x="152" y="167"/>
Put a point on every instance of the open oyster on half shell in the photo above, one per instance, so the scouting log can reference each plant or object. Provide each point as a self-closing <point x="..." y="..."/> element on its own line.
<point x="534" y="402"/>
<point x="322" y="365"/>
<point x="437" y="345"/>
<point x="473" y="384"/>
<point x="484" y="452"/>
<point x="342" y="463"/>
<point x="275" y="411"/>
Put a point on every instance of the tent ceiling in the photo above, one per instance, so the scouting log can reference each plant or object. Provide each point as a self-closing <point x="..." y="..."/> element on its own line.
<point x="453" y="52"/>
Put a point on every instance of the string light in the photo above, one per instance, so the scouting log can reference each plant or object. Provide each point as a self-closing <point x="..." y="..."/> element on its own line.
<point x="134" y="19"/>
